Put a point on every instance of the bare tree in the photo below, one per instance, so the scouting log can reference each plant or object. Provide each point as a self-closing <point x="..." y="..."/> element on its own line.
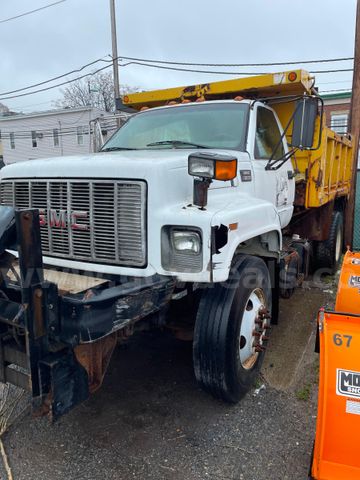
<point x="95" y="90"/>
<point x="4" y="108"/>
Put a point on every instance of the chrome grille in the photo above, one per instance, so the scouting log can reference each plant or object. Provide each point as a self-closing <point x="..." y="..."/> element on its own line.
<point x="112" y="231"/>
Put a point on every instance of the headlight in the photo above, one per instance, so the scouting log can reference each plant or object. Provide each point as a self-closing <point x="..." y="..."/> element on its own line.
<point x="186" y="242"/>
<point x="181" y="249"/>
<point x="199" y="167"/>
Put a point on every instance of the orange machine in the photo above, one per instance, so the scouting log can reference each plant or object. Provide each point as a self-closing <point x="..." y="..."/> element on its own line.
<point x="337" y="446"/>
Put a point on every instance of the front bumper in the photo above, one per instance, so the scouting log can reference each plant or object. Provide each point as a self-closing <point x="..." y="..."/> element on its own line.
<point x="44" y="334"/>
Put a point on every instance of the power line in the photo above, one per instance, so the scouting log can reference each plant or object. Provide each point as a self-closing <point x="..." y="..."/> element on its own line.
<point x="23" y="107"/>
<point x="31" y="11"/>
<point x="141" y="62"/>
<point x="166" y="62"/>
<point x="329" y="83"/>
<point x="222" y="72"/>
<point x="170" y="63"/>
<point x="333" y="71"/>
<point x="55" y="78"/>
<point x="57" y="85"/>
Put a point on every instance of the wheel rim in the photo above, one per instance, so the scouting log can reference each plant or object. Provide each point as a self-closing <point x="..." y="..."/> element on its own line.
<point x="338" y="245"/>
<point x="253" y="328"/>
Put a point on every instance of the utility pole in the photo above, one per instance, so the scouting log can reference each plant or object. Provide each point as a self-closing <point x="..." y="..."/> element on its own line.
<point x="354" y="128"/>
<point x="114" y="54"/>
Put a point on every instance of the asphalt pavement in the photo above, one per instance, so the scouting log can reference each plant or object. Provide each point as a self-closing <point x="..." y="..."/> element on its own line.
<point x="150" y="420"/>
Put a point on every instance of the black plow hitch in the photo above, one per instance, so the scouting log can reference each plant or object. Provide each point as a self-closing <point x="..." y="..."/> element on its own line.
<point x="57" y="343"/>
<point x="30" y="356"/>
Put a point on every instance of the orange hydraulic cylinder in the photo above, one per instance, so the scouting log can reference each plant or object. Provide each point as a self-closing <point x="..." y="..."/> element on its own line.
<point x="337" y="446"/>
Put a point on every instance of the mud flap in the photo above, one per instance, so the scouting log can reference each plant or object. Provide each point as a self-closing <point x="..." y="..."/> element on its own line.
<point x="66" y="381"/>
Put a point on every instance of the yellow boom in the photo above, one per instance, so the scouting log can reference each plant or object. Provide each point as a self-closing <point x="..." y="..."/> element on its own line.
<point x="295" y="82"/>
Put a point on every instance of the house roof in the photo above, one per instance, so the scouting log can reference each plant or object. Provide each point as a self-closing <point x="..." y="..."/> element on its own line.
<point x="45" y="113"/>
<point x="336" y="96"/>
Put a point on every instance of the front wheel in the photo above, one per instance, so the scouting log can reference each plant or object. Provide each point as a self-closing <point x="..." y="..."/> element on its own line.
<point x="231" y="330"/>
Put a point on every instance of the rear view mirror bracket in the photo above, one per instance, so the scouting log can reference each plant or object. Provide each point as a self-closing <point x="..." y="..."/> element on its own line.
<point x="303" y="119"/>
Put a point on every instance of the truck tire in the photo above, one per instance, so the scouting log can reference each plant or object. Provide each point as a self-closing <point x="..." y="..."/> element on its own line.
<point x="328" y="252"/>
<point x="289" y="276"/>
<point x="231" y="330"/>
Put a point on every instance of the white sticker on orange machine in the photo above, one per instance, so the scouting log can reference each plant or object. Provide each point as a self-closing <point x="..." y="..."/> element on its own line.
<point x="353" y="407"/>
<point x="347" y="383"/>
<point x="354" y="281"/>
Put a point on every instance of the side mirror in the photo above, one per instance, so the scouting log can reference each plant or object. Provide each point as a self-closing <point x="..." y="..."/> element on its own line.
<point x="306" y="112"/>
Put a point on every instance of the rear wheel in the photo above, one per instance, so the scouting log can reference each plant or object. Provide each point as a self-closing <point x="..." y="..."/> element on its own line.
<point x="328" y="252"/>
<point x="231" y="330"/>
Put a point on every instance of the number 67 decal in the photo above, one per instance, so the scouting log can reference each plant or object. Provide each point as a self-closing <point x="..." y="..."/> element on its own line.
<point x="342" y="340"/>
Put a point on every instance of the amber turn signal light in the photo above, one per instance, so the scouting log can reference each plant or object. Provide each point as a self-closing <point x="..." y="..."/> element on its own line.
<point x="225" y="170"/>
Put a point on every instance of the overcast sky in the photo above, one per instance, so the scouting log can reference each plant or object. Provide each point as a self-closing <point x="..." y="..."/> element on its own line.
<point x="56" y="40"/>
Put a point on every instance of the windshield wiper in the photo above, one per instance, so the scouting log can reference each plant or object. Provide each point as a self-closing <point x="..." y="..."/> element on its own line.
<point x="177" y="143"/>
<point x="115" y="149"/>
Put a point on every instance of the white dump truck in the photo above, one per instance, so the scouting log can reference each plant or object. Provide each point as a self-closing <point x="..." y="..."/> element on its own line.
<point x="211" y="200"/>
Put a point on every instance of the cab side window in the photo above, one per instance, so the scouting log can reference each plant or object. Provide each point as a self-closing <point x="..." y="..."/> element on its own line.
<point x="267" y="136"/>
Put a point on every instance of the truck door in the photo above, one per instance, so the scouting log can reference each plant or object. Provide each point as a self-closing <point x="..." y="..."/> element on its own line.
<point x="276" y="186"/>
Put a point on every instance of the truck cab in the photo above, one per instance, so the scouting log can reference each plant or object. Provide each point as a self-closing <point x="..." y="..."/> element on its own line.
<point x="195" y="196"/>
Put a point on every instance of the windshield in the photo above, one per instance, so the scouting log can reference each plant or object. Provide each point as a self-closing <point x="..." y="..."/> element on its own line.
<point x="217" y="125"/>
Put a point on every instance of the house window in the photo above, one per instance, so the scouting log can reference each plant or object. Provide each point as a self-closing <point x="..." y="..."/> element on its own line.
<point x="34" y="138"/>
<point x="56" y="137"/>
<point x="339" y="122"/>
<point x="12" y="140"/>
<point x="80" y="135"/>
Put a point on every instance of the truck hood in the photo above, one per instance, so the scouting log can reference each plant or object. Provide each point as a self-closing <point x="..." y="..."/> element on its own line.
<point x="165" y="172"/>
<point x="140" y="164"/>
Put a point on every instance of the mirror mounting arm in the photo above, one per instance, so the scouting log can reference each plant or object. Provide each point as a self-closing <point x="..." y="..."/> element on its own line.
<point x="272" y="162"/>
<point x="275" y="164"/>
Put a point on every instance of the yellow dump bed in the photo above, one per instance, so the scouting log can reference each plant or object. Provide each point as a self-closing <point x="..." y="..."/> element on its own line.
<point x="323" y="174"/>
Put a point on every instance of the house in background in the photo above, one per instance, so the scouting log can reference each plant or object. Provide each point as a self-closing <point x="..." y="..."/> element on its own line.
<point x="337" y="110"/>
<point x="4" y="111"/>
<point x="47" y="134"/>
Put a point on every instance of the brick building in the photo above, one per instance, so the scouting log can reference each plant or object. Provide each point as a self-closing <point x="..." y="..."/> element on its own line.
<point x="337" y="109"/>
